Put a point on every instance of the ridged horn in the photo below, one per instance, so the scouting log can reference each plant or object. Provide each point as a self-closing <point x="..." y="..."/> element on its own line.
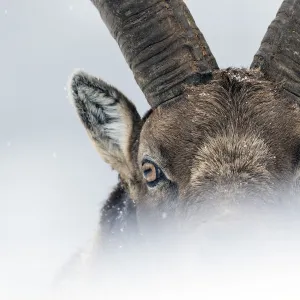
<point x="279" y="55"/>
<point x="161" y="43"/>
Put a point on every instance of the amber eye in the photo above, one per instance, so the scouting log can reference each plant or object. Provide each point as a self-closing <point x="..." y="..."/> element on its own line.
<point x="152" y="173"/>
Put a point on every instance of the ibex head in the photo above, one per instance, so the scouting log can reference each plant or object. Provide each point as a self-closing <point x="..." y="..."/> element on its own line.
<point x="214" y="140"/>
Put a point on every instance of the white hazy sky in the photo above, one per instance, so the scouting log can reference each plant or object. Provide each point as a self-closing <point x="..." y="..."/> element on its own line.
<point x="52" y="181"/>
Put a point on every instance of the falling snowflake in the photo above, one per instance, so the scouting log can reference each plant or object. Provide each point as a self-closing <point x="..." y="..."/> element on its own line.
<point x="164" y="215"/>
<point x="54" y="155"/>
<point x="5" y="12"/>
<point x="71" y="7"/>
<point x="8" y="144"/>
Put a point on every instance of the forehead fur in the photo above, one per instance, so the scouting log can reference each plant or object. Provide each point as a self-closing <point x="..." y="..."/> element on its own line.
<point x="236" y="103"/>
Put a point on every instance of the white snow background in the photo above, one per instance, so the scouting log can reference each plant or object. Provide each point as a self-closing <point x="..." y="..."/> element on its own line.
<point x="52" y="182"/>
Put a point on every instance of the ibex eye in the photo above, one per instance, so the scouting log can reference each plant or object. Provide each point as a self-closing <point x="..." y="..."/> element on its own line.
<point x="152" y="173"/>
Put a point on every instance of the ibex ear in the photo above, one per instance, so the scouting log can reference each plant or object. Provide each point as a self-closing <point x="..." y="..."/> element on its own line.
<point x="111" y="120"/>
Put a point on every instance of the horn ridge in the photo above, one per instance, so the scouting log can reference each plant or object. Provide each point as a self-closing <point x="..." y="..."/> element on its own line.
<point x="279" y="54"/>
<point x="161" y="44"/>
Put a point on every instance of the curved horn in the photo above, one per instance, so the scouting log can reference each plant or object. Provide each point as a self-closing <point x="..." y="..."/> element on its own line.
<point x="279" y="55"/>
<point x="161" y="43"/>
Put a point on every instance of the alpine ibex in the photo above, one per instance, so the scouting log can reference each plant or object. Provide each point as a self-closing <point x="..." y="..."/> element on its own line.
<point x="214" y="140"/>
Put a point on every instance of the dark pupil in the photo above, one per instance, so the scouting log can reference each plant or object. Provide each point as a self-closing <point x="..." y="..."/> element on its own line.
<point x="147" y="172"/>
<point x="150" y="173"/>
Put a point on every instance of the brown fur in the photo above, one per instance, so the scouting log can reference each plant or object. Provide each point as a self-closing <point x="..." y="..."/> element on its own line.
<point x="226" y="144"/>
<point x="216" y="142"/>
<point x="236" y="131"/>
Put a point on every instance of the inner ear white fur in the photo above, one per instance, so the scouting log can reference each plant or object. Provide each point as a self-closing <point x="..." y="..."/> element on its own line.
<point x="107" y="115"/>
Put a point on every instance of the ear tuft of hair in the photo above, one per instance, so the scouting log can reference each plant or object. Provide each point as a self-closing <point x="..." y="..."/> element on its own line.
<point x="107" y="115"/>
<point x="96" y="104"/>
